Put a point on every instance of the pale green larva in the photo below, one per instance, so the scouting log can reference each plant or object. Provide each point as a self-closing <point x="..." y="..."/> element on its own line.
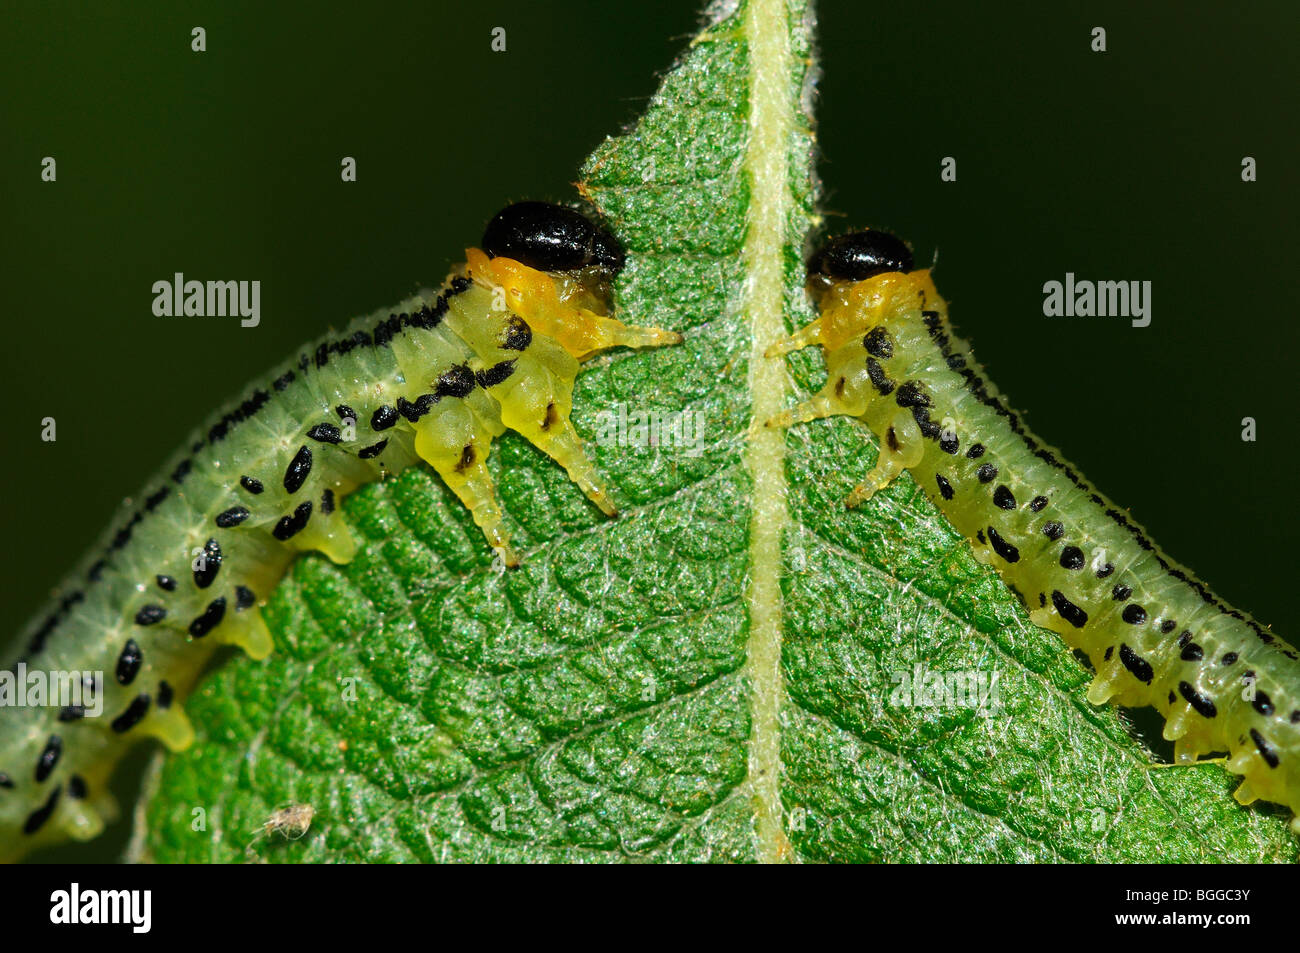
<point x="197" y="553"/>
<point x="1154" y="633"/>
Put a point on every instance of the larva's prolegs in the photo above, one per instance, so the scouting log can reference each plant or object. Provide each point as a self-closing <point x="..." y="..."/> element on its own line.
<point x="1153" y="633"/>
<point x="901" y="449"/>
<point x="498" y="348"/>
<point x="452" y="445"/>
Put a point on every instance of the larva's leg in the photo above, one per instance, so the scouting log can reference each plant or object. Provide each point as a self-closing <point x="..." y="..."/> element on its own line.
<point x="814" y="409"/>
<point x="804" y="337"/>
<point x="171" y="725"/>
<point x="451" y="441"/>
<point x="536" y="403"/>
<point x="246" y="628"/>
<point x="327" y="533"/>
<point x="901" y="446"/>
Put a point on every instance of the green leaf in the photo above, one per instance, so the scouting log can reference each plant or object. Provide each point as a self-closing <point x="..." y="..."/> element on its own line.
<point x="707" y="677"/>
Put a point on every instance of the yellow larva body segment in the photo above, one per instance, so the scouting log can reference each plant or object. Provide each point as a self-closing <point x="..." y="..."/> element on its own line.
<point x="192" y="559"/>
<point x="1154" y="633"/>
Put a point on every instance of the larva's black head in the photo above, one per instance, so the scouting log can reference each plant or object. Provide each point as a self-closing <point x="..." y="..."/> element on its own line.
<point x="860" y="255"/>
<point x="551" y="238"/>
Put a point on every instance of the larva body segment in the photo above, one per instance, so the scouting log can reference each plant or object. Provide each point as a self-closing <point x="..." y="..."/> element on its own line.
<point x="1154" y="634"/>
<point x="196" y="554"/>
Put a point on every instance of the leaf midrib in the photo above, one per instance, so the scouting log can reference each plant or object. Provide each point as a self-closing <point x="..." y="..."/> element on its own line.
<point x="771" y="125"/>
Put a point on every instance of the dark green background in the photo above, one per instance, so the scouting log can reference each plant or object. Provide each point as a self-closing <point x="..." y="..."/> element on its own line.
<point x="225" y="165"/>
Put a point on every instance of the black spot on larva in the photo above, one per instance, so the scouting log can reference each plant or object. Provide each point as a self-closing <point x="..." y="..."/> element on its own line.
<point x="327" y="501"/>
<point x="383" y="418"/>
<point x="72" y="713"/>
<point x="1003" y="498"/>
<point x="1295" y="717"/>
<point x="210" y="561"/>
<point x="1110" y="650"/>
<point x="1203" y="705"/>
<point x="1068" y="611"/>
<point x="879" y="379"/>
<point x="414" y="411"/>
<point x="1072" y="558"/>
<point x="283" y="381"/>
<point x="945" y="488"/>
<point x="891" y="439"/>
<point x="165" y="694"/>
<point x="1229" y="659"/>
<point x="1053" y="530"/>
<point x="1134" y="614"/>
<point x="76" y="787"/>
<point x="165" y="583"/>
<point x="1002" y="547"/>
<point x="1168" y="626"/>
<point x="128" y="662"/>
<point x="96" y="571"/>
<point x="1172" y="696"/>
<point x="209" y="618"/>
<point x="251" y="485"/>
<point x="6" y="782"/>
<point x="878" y="344"/>
<point x="457" y="381"/>
<point x="123" y="535"/>
<point x="49" y="757"/>
<point x="148" y="615"/>
<point x="182" y="471"/>
<point x="495" y="374"/>
<point x="155" y="499"/>
<point x="1120" y="593"/>
<point x="1105" y="570"/>
<point x="979" y="534"/>
<point x="987" y="473"/>
<point x="1265" y="749"/>
<point x="1136" y="664"/>
<point x="975" y="452"/>
<point x="516" y="335"/>
<point x="244" y="598"/>
<point x="133" y="715"/>
<point x="346" y="413"/>
<point x="911" y="394"/>
<point x="1263" y="704"/>
<point x="232" y="517"/>
<point x="325" y="433"/>
<point x="550" y="418"/>
<point x="36" y="820"/>
<point x="467" y="458"/>
<point x="294" y="523"/>
<point x="374" y="450"/>
<point x="929" y="429"/>
<point x="1184" y="638"/>
<point x="949" y="443"/>
<point x="295" y="474"/>
<point x="1192" y="652"/>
